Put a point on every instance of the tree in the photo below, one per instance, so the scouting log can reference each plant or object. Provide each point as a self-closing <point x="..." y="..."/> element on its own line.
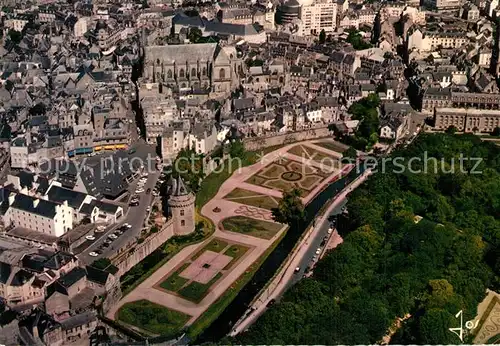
<point x="237" y="149"/>
<point x="189" y="166"/>
<point x="451" y="130"/>
<point x="15" y="36"/>
<point x="322" y="36"/>
<point x="290" y="208"/>
<point x="350" y="155"/>
<point x="101" y="263"/>
<point x="496" y="131"/>
<point x="357" y="41"/>
<point x="434" y="328"/>
<point x="194" y="34"/>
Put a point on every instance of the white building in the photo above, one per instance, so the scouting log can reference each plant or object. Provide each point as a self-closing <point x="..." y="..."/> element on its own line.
<point x="316" y="16"/>
<point x="17" y="24"/>
<point x="159" y="113"/>
<point x="37" y="214"/>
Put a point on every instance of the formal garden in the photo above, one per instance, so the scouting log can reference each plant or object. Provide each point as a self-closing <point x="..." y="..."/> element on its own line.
<point x="193" y="278"/>
<point x="328" y="162"/>
<point x="252" y="227"/>
<point x="285" y="174"/>
<point x="253" y="199"/>
<point x="152" y="318"/>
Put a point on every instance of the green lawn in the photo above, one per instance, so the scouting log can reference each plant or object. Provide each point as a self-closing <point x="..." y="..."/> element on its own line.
<point x="253" y="199"/>
<point x="253" y="227"/>
<point x="235" y="251"/>
<point x="152" y="317"/>
<point x="211" y="184"/>
<point x="144" y="269"/>
<point x="225" y="299"/>
<point x="196" y="291"/>
<point x="215" y="245"/>
<point x="175" y="282"/>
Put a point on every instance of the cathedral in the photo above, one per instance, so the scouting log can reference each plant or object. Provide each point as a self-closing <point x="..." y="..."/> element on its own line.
<point x="205" y="66"/>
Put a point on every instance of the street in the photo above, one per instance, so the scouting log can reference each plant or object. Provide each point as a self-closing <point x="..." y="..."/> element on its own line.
<point x="313" y="244"/>
<point x="301" y="256"/>
<point x="135" y="216"/>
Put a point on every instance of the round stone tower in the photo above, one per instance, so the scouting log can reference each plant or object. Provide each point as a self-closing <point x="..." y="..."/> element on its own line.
<point x="181" y="205"/>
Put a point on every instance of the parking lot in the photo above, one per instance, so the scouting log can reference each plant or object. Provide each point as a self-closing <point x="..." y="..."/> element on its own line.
<point x="125" y="232"/>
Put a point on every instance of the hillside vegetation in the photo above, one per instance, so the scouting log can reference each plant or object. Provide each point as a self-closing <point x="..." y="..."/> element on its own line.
<point x="389" y="266"/>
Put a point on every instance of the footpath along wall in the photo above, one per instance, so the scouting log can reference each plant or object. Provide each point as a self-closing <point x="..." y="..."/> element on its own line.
<point x="256" y="143"/>
<point x="135" y="253"/>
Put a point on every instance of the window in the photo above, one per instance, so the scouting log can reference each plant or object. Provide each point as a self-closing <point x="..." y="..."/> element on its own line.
<point x="222" y="73"/>
<point x="193" y="72"/>
<point x="183" y="223"/>
<point x="169" y="74"/>
<point x="204" y="71"/>
<point x="182" y="212"/>
<point x="181" y="73"/>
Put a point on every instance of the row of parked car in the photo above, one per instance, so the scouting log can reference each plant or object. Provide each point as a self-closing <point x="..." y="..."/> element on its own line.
<point x="111" y="237"/>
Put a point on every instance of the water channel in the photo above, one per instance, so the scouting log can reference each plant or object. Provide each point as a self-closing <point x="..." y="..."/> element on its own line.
<point x="224" y="323"/>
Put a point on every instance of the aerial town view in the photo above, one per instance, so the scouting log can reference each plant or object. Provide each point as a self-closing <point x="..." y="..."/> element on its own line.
<point x="249" y="172"/>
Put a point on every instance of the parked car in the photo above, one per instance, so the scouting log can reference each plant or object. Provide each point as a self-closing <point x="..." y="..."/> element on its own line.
<point x="112" y="236"/>
<point x="93" y="254"/>
<point x="99" y="252"/>
<point x="106" y="244"/>
<point x="318" y="251"/>
<point x="90" y="237"/>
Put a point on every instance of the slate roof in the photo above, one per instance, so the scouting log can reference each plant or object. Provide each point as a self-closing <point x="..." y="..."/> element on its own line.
<point x="178" y="187"/>
<point x="78" y="320"/>
<point x="97" y="275"/>
<point x="60" y="194"/>
<point x="107" y="207"/>
<point x="43" y="208"/>
<point x="72" y="277"/>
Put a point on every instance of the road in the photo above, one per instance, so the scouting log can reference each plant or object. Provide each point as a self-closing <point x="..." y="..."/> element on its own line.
<point x="135" y="216"/>
<point x="287" y="275"/>
<point x="313" y="244"/>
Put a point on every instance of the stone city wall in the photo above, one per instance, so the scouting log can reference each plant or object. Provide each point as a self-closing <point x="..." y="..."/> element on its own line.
<point x="137" y="252"/>
<point x="256" y="143"/>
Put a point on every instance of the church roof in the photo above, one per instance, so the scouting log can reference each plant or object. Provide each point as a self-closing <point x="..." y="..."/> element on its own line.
<point x="190" y="53"/>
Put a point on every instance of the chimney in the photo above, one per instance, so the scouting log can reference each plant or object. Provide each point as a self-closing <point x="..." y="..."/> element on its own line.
<point x="35" y="202"/>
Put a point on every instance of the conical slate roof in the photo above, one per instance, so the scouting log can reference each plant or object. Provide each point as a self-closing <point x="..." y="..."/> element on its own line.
<point x="178" y="187"/>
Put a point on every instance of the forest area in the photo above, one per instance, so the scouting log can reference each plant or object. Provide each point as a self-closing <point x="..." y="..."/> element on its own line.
<point x="390" y="266"/>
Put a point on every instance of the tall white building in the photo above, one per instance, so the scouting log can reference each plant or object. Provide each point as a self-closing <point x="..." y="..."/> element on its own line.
<point x="317" y="15"/>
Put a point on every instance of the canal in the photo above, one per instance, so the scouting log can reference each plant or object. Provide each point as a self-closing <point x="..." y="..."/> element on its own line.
<point x="224" y="323"/>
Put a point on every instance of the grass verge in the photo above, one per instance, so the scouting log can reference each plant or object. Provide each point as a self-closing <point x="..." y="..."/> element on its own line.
<point x="152" y="318"/>
<point x="144" y="269"/>
<point x="175" y="282"/>
<point x="253" y="227"/>
<point x="196" y="291"/>
<point x="211" y="184"/>
<point x="227" y="297"/>
<point x="235" y="251"/>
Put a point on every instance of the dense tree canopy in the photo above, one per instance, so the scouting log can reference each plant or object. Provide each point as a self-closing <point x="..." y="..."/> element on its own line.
<point x="356" y="40"/>
<point x="392" y="264"/>
<point x="290" y="208"/>
<point x="189" y="166"/>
